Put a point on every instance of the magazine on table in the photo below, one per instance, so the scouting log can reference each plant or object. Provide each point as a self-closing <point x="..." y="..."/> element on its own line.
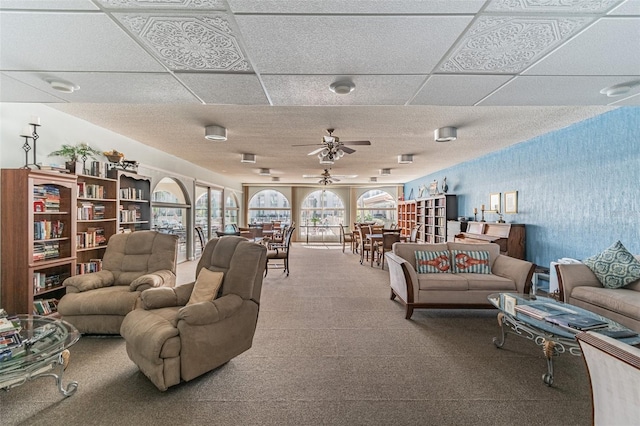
<point x="576" y="321"/>
<point x="542" y="310"/>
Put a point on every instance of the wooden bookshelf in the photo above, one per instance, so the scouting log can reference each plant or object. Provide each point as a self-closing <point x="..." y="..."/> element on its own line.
<point x="134" y="205"/>
<point x="97" y="219"/>
<point x="38" y="236"/>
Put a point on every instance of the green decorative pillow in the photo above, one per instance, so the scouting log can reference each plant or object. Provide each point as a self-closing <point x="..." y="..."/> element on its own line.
<point x="428" y="262"/>
<point x="615" y="267"/>
<point x="470" y="262"/>
<point x="206" y="287"/>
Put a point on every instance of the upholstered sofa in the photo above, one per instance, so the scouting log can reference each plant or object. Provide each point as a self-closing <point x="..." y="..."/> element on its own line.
<point x="447" y="286"/>
<point x="579" y="286"/>
<point x="183" y="332"/>
<point x="97" y="303"/>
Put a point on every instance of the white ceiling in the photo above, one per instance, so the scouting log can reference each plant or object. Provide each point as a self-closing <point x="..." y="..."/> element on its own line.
<point x="159" y="71"/>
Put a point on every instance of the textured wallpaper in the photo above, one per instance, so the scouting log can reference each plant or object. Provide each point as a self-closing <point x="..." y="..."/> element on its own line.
<point x="578" y="187"/>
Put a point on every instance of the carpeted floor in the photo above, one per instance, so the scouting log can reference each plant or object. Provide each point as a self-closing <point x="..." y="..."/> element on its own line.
<point x="330" y="349"/>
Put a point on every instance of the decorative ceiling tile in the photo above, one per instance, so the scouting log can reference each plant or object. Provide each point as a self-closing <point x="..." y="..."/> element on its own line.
<point x="195" y="43"/>
<point x="560" y="6"/>
<point x="163" y="4"/>
<point x="498" y="44"/>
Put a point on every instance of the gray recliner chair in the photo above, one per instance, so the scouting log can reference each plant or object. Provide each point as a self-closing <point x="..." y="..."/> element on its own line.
<point x="173" y="338"/>
<point x="98" y="302"/>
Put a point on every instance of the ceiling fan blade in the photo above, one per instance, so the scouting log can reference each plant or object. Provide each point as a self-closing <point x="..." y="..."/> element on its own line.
<point x="315" y="151"/>
<point x="356" y="142"/>
<point x="308" y="144"/>
<point x="333" y="178"/>
<point x="347" y="150"/>
<point x="344" y="176"/>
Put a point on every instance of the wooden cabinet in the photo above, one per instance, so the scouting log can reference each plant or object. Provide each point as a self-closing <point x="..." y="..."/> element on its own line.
<point x="97" y="217"/>
<point x="134" y="206"/>
<point x="38" y="237"/>
<point x="434" y="212"/>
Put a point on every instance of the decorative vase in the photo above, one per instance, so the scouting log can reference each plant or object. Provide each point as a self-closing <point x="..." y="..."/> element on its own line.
<point x="445" y="187"/>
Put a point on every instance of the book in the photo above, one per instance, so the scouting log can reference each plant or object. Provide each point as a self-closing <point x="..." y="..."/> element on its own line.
<point x="576" y="321"/>
<point x="540" y="311"/>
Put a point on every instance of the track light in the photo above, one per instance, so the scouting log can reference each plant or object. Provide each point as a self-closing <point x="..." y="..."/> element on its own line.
<point x="445" y="134"/>
<point x="215" y="133"/>
<point x="405" y="159"/>
<point x="248" y="158"/>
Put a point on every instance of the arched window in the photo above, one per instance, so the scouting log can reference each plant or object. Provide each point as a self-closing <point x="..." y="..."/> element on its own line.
<point x="376" y="206"/>
<point x="269" y="205"/>
<point x="321" y="213"/>
<point x="169" y="208"/>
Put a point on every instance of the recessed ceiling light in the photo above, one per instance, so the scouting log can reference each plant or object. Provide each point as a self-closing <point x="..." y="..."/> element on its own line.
<point x="63" y="86"/>
<point x="405" y="159"/>
<point x="620" y="89"/>
<point x="248" y="158"/>
<point x="342" y="87"/>
<point x="215" y="133"/>
<point x="385" y="172"/>
<point x="265" y="172"/>
<point x="445" y="134"/>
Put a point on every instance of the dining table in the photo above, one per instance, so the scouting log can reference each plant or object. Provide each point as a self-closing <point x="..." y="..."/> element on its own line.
<point x="375" y="238"/>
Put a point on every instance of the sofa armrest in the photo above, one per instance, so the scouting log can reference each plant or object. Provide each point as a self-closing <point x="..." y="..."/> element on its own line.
<point x="203" y="313"/>
<point x="402" y="276"/>
<point x="163" y="297"/>
<point x="85" y="282"/>
<point x="520" y="271"/>
<point x="574" y="275"/>
<point x="162" y="278"/>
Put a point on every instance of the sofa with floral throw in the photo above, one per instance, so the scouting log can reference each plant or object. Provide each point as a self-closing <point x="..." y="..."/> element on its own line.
<point x="453" y="275"/>
<point x="607" y="284"/>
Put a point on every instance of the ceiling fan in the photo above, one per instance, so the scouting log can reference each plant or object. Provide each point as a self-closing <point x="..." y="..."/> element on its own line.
<point x="332" y="148"/>
<point x="325" y="178"/>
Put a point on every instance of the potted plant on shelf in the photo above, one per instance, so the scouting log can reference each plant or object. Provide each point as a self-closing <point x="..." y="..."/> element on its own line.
<point x="73" y="153"/>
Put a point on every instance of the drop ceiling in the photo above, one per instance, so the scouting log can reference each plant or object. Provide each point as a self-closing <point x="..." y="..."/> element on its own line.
<point x="160" y="71"/>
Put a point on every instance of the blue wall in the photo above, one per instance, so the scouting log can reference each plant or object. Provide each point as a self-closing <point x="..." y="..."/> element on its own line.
<point x="578" y="187"/>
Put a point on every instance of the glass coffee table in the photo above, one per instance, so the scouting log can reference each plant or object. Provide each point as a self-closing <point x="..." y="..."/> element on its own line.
<point x="41" y="352"/>
<point x="529" y="316"/>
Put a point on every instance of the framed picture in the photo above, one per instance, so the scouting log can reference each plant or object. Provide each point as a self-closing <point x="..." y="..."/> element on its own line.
<point x="494" y="202"/>
<point x="511" y="202"/>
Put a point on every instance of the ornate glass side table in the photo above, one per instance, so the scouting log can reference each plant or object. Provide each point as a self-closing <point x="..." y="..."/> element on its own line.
<point x="43" y="352"/>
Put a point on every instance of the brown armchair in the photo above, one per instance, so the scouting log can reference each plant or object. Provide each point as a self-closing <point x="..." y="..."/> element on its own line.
<point x="174" y="337"/>
<point x="98" y="302"/>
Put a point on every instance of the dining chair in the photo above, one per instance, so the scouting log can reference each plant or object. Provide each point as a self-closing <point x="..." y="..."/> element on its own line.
<point x="388" y="239"/>
<point x="365" y="243"/>
<point x="346" y="237"/>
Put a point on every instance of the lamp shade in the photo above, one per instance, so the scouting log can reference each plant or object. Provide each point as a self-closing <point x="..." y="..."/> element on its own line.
<point x="215" y="133"/>
<point x="445" y="134"/>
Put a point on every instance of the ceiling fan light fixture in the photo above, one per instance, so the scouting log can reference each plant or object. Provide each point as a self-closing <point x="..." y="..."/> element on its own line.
<point x="405" y="159"/>
<point x="445" y="134"/>
<point x="340" y="153"/>
<point x="215" y="133"/>
<point x="343" y="87"/>
<point x="385" y="172"/>
<point x="326" y="160"/>
<point x="265" y="172"/>
<point x="248" y="158"/>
